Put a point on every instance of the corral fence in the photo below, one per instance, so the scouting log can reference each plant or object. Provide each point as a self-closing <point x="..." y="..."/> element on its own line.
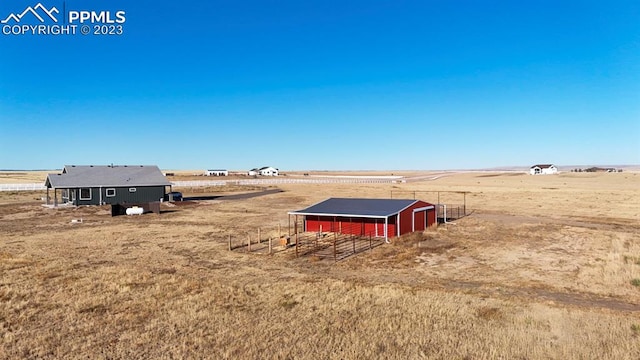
<point x="262" y="240"/>
<point x="447" y="202"/>
<point x="449" y="212"/>
<point x="333" y="243"/>
<point x="320" y="244"/>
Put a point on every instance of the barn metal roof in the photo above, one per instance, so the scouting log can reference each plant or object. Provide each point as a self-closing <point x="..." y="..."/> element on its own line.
<point x="357" y="207"/>
<point x="74" y="176"/>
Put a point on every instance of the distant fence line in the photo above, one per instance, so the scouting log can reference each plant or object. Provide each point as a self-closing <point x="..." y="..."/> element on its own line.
<point x="197" y="183"/>
<point x="22" y="187"/>
<point x="201" y="183"/>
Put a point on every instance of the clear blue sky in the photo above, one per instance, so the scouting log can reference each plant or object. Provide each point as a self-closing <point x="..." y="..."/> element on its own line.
<point x="327" y="84"/>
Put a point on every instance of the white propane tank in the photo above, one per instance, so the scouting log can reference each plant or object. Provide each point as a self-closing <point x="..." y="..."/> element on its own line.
<point x="134" y="210"/>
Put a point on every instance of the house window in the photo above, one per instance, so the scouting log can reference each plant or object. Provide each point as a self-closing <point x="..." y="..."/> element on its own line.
<point x="85" y="194"/>
<point x="132" y="189"/>
<point x="111" y="192"/>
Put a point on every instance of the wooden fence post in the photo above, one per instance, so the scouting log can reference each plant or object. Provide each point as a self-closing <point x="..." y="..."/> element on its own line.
<point x="229" y="242"/>
<point x="259" y="238"/>
<point x="249" y="243"/>
<point x="354" y="244"/>
<point x="296" y="243"/>
<point x="269" y="246"/>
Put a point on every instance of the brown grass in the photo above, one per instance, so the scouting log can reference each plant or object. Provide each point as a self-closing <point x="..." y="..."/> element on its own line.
<point x="543" y="269"/>
<point x="17" y="177"/>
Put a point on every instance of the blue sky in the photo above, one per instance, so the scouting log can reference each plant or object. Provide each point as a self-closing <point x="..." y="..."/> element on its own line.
<point x="342" y="85"/>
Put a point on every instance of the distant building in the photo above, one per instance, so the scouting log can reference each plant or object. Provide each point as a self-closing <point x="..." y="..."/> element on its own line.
<point x="216" y="173"/>
<point x="268" y="171"/>
<point x="111" y="184"/>
<point x="543" y="169"/>
<point x="263" y="171"/>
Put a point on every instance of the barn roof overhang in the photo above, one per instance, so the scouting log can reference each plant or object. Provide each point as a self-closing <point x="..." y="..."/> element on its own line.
<point x="357" y="207"/>
<point x="340" y="215"/>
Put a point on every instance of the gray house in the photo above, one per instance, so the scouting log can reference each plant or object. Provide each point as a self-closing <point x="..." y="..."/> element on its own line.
<point x="111" y="184"/>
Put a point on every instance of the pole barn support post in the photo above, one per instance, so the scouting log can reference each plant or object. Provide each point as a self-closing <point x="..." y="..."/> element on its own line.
<point x="386" y="229"/>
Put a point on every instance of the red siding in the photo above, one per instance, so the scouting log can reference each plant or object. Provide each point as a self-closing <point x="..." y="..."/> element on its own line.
<point x="431" y="217"/>
<point x="346" y="225"/>
<point x="374" y="226"/>
<point x="313" y="223"/>
<point x="408" y="218"/>
<point x="419" y="220"/>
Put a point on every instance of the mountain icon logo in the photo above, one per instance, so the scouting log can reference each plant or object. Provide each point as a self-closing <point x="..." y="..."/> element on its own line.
<point x="35" y="11"/>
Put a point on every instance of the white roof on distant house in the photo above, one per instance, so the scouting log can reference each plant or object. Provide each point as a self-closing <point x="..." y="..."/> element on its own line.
<point x="73" y="176"/>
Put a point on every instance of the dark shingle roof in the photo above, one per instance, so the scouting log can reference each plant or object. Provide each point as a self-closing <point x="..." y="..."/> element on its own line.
<point x="542" y="166"/>
<point x="94" y="176"/>
<point x="356" y="207"/>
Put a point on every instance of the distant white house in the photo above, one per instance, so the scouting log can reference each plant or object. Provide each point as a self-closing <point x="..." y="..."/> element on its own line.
<point x="268" y="171"/>
<point x="216" y="173"/>
<point x="543" y="169"/>
<point x="263" y="171"/>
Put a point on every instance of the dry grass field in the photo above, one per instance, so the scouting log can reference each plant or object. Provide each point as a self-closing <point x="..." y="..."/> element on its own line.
<point x="17" y="177"/>
<point x="545" y="267"/>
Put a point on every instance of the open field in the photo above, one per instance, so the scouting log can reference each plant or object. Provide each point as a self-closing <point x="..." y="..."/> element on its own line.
<point x="17" y="177"/>
<point x="545" y="267"/>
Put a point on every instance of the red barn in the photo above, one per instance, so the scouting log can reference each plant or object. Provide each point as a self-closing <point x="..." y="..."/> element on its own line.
<point x="368" y="217"/>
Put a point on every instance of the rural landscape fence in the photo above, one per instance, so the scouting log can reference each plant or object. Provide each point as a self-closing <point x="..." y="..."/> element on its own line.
<point x="281" y="181"/>
<point x="333" y="245"/>
<point x="323" y="245"/>
<point x="262" y="240"/>
<point x="22" y="187"/>
<point x="448" y="212"/>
